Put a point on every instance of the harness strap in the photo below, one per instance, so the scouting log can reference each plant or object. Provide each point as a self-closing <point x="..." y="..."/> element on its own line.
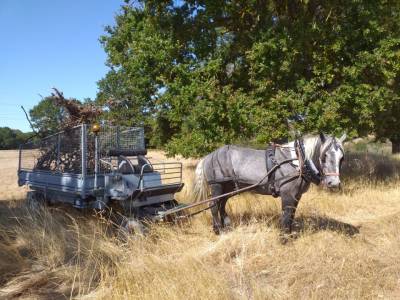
<point x="288" y="178"/>
<point x="270" y="163"/>
<point x="300" y="155"/>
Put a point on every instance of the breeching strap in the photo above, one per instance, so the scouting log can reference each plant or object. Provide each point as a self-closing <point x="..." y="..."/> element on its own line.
<point x="235" y="192"/>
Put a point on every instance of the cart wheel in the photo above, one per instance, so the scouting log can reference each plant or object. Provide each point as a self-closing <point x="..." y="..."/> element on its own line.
<point x="134" y="226"/>
<point x="179" y="217"/>
<point x="35" y="201"/>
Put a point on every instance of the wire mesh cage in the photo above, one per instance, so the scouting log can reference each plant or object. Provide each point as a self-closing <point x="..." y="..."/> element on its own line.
<point x="60" y="152"/>
<point x="63" y="152"/>
<point x="121" y="138"/>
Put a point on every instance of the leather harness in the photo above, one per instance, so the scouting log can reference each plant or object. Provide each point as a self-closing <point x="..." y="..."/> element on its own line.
<point x="271" y="163"/>
<point x="307" y="169"/>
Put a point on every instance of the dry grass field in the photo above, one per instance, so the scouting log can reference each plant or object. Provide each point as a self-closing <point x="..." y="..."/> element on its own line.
<point x="348" y="246"/>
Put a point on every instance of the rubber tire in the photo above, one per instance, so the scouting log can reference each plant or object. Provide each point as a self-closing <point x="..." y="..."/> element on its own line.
<point x="134" y="226"/>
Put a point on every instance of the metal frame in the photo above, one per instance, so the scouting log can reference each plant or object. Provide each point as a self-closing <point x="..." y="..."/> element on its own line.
<point x="84" y="162"/>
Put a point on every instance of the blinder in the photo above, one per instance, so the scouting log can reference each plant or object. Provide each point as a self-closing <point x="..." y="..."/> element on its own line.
<point x="311" y="173"/>
<point x="309" y="170"/>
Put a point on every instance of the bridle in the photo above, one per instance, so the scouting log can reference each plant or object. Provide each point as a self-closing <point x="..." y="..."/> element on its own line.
<point x="330" y="174"/>
<point x="322" y="160"/>
<point x="306" y="166"/>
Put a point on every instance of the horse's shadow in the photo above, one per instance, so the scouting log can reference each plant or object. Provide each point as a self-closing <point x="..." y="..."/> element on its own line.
<point x="322" y="223"/>
<point x="301" y="224"/>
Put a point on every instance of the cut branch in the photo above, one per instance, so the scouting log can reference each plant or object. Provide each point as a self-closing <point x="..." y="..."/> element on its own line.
<point x="29" y="120"/>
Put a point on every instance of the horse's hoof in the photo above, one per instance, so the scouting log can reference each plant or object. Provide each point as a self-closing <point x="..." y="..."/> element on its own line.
<point x="227" y="222"/>
<point x="226" y="229"/>
<point x="288" y="237"/>
<point x="284" y="238"/>
<point x="217" y="230"/>
<point x="227" y="226"/>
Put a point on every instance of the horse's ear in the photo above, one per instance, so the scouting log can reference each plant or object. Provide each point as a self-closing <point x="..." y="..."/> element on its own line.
<point x="343" y="137"/>
<point x="322" y="137"/>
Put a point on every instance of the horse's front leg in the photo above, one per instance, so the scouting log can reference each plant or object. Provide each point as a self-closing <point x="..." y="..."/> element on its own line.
<point x="289" y="205"/>
<point x="216" y="190"/>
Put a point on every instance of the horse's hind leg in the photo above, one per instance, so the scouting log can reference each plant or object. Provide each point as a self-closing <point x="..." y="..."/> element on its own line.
<point x="216" y="190"/>
<point x="225" y="220"/>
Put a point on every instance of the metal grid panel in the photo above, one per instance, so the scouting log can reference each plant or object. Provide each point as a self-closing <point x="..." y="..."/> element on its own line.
<point x="121" y="138"/>
<point x="60" y="152"/>
<point x="164" y="173"/>
<point x="112" y="138"/>
<point x="90" y="151"/>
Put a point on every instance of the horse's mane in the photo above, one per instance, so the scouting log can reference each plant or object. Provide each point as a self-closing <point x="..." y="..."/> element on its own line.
<point x="312" y="144"/>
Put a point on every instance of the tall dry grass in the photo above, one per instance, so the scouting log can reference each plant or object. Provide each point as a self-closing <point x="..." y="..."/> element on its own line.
<point x="347" y="247"/>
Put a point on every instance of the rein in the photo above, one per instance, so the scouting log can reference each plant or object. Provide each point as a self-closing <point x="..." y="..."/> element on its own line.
<point x="235" y="192"/>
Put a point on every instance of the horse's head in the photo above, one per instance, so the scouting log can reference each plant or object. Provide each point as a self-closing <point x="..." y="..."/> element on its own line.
<point x="330" y="160"/>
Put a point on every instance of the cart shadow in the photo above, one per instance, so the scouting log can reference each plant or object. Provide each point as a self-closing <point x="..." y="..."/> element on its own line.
<point x="10" y="210"/>
<point x="15" y="212"/>
<point x="303" y="223"/>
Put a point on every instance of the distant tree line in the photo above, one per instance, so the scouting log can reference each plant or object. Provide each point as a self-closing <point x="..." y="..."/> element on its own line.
<point x="201" y="73"/>
<point x="12" y="138"/>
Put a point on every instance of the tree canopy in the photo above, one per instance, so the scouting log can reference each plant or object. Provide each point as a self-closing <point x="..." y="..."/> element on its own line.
<point x="46" y="117"/>
<point x="201" y="73"/>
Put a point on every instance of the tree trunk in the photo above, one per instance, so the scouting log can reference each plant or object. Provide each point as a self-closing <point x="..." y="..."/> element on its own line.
<point x="395" y="146"/>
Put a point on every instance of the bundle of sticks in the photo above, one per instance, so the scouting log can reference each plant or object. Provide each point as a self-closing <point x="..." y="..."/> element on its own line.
<point x="63" y="152"/>
<point x="76" y="112"/>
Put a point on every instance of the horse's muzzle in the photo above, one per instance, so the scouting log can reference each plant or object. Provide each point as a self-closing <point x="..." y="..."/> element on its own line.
<point x="332" y="183"/>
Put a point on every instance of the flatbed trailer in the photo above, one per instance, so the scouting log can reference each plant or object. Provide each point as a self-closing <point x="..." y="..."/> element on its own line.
<point x="96" y="169"/>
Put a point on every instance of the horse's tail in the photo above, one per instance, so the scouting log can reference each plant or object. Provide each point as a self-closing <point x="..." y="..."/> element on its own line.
<point x="200" y="182"/>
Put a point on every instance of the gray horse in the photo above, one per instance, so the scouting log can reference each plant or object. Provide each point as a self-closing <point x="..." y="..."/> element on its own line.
<point x="232" y="167"/>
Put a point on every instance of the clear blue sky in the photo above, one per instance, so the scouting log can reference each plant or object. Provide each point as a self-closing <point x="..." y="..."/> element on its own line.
<point x="49" y="43"/>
